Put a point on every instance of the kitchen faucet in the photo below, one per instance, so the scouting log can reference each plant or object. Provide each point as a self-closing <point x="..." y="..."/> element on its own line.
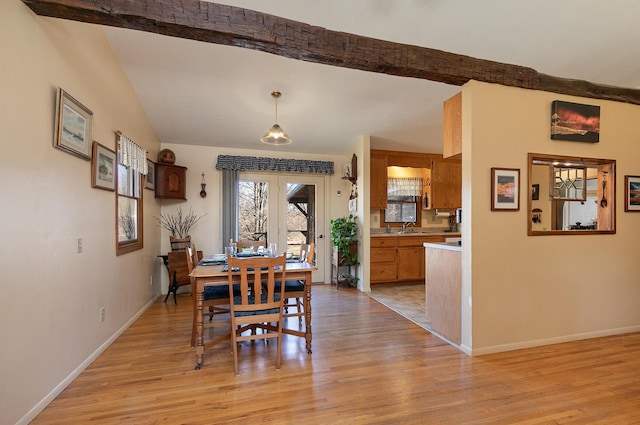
<point x="407" y="225"/>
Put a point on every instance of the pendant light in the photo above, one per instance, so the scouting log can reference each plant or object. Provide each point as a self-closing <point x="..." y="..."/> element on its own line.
<point x="276" y="135"/>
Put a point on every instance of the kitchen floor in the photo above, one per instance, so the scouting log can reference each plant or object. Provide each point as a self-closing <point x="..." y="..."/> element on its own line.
<point x="406" y="299"/>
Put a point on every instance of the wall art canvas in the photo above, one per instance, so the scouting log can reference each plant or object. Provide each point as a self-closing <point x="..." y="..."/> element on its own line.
<point x="575" y="122"/>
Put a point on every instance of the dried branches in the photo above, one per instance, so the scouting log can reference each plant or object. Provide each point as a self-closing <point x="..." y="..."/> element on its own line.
<point x="177" y="223"/>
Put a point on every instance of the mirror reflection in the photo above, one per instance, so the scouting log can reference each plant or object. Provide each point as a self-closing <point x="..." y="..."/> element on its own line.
<point x="570" y="195"/>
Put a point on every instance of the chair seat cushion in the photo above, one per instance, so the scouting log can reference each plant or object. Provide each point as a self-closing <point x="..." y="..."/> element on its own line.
<point x="291" y="286"/>
<point x="216" y="292"/>
<point x="238" y="300"/>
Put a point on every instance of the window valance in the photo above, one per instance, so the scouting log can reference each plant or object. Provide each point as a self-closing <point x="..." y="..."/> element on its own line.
<point x="252" y="163"/>
<point x="404" y="187"/>
<point x="131" y="154"/>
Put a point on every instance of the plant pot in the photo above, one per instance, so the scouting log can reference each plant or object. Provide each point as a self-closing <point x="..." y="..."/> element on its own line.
<point x="179" y="244"/>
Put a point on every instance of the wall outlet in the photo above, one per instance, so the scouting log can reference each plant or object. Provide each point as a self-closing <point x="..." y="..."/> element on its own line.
<point x="79" y="245"/>
<point x="102" y="314"/>
<point x="151" y="280"/>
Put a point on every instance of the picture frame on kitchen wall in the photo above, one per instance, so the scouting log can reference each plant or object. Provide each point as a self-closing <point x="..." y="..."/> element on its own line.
<point x="505" y="189"/>
<point x="103" y="166"/>
<point x="632" y="193"/>
<point x="74" y="126"/>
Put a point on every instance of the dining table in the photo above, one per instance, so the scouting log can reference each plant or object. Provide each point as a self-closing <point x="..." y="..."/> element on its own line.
<point x="208" y="273"/>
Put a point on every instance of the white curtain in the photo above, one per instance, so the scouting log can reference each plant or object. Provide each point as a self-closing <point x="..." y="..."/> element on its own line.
<point x="404" y="187"/>
<point x="132" y="155"/>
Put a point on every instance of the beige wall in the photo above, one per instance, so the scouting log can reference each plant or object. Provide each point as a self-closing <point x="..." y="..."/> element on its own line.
<point x="52" y="295"/>
<point x="535" y="290"/>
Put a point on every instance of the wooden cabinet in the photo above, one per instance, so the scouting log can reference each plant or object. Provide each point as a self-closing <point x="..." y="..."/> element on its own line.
<point x="446" y="183"/>
<point x="399" y="258"/>
<point x="384" y="266"/>
<point x="171" y="181"/>
<point x="452" y="127"/>
<point x="378" y="181"/>
<point x="411" y="256"/>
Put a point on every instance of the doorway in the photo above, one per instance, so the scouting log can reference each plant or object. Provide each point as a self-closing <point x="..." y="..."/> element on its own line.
<point x="284" y="208"/>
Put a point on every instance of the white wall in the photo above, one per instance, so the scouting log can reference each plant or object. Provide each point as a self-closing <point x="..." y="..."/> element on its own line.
<point x="52" y="295"/>
<point x="207" y="233"/>
<point x="534" y="290"/>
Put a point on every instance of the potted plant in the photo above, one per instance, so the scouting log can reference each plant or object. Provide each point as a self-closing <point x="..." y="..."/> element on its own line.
<point x="344" y="236"/>
<point x="179" y="225"/>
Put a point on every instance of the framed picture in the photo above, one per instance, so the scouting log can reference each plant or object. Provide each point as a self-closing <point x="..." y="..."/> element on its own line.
<point x="505" y="189"/>
<point x="535" y="192"/>
<point x="632" y="193"/>
<point x="74" y="126"/>
<point x="103" y="165"/>
<point x="150" y="179"/>
<point x="575" y="122"/>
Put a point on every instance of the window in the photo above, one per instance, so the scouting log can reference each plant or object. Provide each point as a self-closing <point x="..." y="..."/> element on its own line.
<point x="128" y="202"/>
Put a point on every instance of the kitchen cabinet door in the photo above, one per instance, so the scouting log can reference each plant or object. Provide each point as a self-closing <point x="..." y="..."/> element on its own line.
<point x="452" y="127"/>
<point x="411" y="263"/>
<point x="446" y="184"/>
<point x="378" y="182"/>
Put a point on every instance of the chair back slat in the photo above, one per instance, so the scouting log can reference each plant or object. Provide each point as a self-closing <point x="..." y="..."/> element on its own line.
<point x="253" y="271"/>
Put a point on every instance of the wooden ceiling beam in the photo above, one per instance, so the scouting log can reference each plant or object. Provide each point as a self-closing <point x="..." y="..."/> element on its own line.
<point x="233" y="26"/>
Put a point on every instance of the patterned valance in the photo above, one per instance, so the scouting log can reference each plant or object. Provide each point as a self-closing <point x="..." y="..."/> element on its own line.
<point x="253" y="163"/>
<point x="131" y="155"/>
<point x="404" y="187"/>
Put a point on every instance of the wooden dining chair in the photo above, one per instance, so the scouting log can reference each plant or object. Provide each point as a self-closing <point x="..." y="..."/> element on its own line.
<point x="294" y="289"/>
<point x="216" y="298"/>
<point x="249" y="244"/>
<point x="259" y="305"/>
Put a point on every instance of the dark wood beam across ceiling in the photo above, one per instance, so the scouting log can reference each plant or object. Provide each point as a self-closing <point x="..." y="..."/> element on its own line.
<point x="233" y="26"/>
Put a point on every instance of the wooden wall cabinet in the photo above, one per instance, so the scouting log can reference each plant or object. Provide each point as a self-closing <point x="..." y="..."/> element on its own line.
<point x="171" y="181"/>
<point x="452" y="127"/>
<point x="446" y="183"/>
<point x="378" y="181"/>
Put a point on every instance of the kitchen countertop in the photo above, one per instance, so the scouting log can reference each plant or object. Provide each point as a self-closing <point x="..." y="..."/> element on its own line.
<point x="449" y="246"/>
<point x="420" y="233"/>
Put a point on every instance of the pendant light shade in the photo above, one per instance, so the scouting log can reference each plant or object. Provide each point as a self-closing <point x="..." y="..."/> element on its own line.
<point x="276" y="135"/>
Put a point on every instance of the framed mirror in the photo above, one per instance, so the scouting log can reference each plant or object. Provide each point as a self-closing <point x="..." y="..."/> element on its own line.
<point x="570" y="195"/>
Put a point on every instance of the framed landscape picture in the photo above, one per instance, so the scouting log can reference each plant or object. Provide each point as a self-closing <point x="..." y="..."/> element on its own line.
<point x="505" y="189"/>
<point x="103" y="165"/>
<point x="74" y="126"/>
<point x="632" y="193"/>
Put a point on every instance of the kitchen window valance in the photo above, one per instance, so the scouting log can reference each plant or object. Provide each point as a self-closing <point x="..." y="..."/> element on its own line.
<point x="404" y="187"/>
<point x="253" y="163"/>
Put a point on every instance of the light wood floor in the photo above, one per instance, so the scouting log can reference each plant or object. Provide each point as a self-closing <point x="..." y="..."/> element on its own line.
<point x="369" y="366"/>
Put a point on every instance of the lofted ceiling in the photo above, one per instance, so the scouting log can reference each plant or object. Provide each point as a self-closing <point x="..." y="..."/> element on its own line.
<point x="206" y="94"/>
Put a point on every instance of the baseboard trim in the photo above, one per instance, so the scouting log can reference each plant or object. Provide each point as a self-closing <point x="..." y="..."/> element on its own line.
<point x="40" y="406"/>
<point x="554" y="340"/>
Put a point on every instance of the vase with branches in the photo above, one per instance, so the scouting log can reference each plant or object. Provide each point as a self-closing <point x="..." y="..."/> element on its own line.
<point x="179" y="224"/>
